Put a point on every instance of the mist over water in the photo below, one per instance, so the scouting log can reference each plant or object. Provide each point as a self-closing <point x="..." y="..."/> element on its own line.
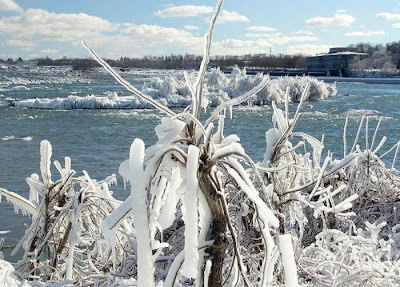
<point x="98" y="140"/>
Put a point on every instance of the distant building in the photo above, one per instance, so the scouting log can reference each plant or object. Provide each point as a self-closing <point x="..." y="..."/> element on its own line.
<point x="336" y="62"/>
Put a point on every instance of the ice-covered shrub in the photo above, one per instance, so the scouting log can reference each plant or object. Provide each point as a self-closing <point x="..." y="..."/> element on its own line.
<point x="202" y="213"/>
<point x="362" y="259"/>
<point x="64" y="239"/>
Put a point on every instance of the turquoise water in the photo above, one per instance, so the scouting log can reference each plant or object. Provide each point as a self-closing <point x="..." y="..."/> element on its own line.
<point x="98" y="140"/>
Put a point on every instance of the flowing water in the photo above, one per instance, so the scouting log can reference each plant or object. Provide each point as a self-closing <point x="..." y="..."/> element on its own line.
<point x="98" y="140"/>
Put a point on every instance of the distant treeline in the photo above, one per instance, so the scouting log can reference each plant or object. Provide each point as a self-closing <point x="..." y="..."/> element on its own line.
<point x="186" y="61"/>
<point x="388" y="53"/>
<point x="189" y="61"/>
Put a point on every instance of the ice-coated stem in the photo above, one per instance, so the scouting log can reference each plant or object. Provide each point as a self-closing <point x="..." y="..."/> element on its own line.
<point x="198" y="89"/>
<point x="126" y="84"/>
<point x="395" y="155"/>
<point x="45" y="161"/>
<point x="358" y="134"/>
<point x="190" y="215"/>
<point x="288" y="262"/>
<point x="140" y="214"/>
<point x="375" y="133"/>
<point x="345" y="137"/>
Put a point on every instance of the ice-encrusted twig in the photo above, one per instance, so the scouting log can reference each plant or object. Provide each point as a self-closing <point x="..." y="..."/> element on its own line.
<point x="198" y="86"/>
<point x="380" y="145"/>
<point x="190" y="214"/>
<point x="375" y="133"/>
<point x="287" y="104"/>
<point x="140" y="216"/>
<point x="236" y="101"/>
<point x="288" y="261"/>
<point x="395" y="154"/>
<point x="366" y="133"/>
<point x="345" y="137"/>
<point x="126" y="84"/>
<point x="19" y="202"/>
<point x="358" y="134"/>
<point x="45" y="161"/>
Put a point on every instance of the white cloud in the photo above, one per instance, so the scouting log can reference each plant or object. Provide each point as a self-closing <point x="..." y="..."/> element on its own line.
<point x="48" y="51"/>
<point x="190" y="27"/>
<point x="341" y="11"/>
<point x="388" y="16"/>
<point x="41" y="25"/>
<point x="240" y="47"/>
<point x="364" y="34"/>
<point x="396" y="25"/>
<point x="264" y="35"/>
<point x="339" y="19"/>
<point x="233" y="16"/>
<point x="308" y="49"/>
<point x="156" y="33"/>
<point x="261" y="29"/>
<point x="184" y="11"/>
<point x="9" y="5"/>
<point x="139" y="40"/>
<point x="304" y="33"/>
<point x="281" y="39"/>
<point x="37" y="27"/>
<point x="24" y="44"/>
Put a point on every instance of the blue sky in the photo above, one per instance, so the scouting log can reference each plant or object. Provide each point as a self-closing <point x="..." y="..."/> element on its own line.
<point x="54" y="28"/>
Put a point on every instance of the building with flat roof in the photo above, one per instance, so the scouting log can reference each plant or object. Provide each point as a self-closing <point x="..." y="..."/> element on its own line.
<point x="336" y="62"/>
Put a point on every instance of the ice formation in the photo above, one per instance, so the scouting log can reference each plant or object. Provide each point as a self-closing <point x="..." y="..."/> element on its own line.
<point x="173" y="91"/>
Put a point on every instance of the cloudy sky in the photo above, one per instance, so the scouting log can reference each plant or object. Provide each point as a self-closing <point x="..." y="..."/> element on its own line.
<point x="134" y="28"/>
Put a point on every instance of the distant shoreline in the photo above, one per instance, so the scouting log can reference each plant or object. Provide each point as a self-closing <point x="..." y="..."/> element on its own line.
<point x="389" y="81"/>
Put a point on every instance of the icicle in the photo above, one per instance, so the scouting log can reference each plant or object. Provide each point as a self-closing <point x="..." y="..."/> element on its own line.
<point x="190" y="215"/>
<point x="19" y="202"/>
<point x="219" y="135"/>
<point x="168" y="210"/>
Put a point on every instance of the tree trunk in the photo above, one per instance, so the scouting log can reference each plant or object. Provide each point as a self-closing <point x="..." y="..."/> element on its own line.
<point x="219" y="225"/>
